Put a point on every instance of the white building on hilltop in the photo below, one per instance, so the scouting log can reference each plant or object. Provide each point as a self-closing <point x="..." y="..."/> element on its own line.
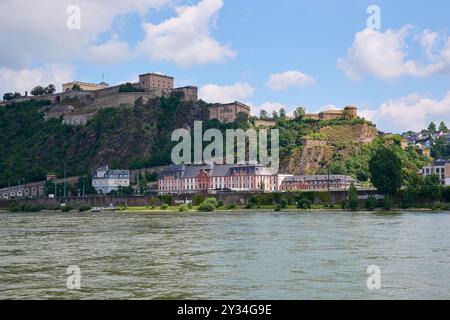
<point x="106" y="180"/>
<point x="440" y="168"/>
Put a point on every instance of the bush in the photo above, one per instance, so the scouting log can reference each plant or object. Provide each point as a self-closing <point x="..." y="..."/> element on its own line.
<point x="66" y="208"/>
<point x="371" y="203"/>
<point x="387" y="202"/>
<point x="84" y="208"/>
<point x="278" y="208"/>
<point x="183" y="208"/>
<point x="166" y="199"/>
<point x="209" y="205"/>
<point x="164" y="207"/>
<point x="283" y="203"/>
<point x="231" y="207"/>
<point x="198" y="199"/>
<point x="14" y="207"/>
<point x="304" y="204"/>
<point x="250" y="205"/>
<point x="344" y="204"/>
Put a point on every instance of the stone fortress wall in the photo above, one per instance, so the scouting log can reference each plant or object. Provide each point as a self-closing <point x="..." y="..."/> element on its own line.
<point x="78" y="107"/>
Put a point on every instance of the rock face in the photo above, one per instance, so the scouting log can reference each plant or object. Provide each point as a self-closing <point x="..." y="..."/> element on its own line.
<point x="342" y="141"/>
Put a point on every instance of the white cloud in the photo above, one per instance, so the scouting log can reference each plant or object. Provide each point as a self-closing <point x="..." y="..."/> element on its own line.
<point x="385" y="55"/>
<point x="214" y="93"/>
<point x="413" y="112"/>
<point x="186" y="39"/>
<point x="267" y="106"/>
<point x="12" y="80"/>
<point x="284" y="80"/>
<point x="111" y="52"/>
<point x="35" y="32"/>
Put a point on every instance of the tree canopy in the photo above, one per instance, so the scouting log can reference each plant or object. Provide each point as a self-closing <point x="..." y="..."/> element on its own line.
<point x="386" y="170"/>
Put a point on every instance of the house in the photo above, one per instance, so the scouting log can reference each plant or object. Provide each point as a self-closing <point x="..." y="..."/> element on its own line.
<point x="441" y="168"/>
<point x="106" y="180"/>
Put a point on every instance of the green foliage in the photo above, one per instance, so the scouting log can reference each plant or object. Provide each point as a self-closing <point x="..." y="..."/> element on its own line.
<point x="387" y="202"/>
<point x="167" y="199"/>
<point x="353" y="202"/>
<point x="209" y="205"/>
<point x="128" y="87"/>
<point x="371" y="203"/>
<point x="14" y="207"/>
<point x="164" y="207"/>
<point x="84" y="208"/>
<point x="386" y="170"/>
<point x="66" y="208"/>
<point x="304" y="204"/>
<point x="198" y="199"/>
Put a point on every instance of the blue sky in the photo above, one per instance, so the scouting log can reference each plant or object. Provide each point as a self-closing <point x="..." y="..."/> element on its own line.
<point x="321" y="52"/>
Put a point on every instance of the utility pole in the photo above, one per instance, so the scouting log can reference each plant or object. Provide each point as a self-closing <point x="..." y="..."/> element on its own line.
<point x="65" y="179"/>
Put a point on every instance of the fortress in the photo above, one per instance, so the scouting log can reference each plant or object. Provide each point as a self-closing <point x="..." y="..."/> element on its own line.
<point x="80" y="101"/>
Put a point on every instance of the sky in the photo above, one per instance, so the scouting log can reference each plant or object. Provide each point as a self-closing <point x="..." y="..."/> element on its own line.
<point x="391" y="59"/>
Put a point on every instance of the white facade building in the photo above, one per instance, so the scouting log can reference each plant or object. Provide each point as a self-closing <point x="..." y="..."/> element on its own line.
<point x="441" y="168"/>
<point x="106" y="180"/>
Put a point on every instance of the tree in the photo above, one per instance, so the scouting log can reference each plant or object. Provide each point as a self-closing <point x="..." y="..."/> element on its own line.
<point x="299" y="113"/>
<point x="432" y="128"/>
<point x="275" y="115"/>
<point x="50" y="89"/>
<point x="263" y="115"/>
<point x="282" y="113"/>
<point x="76" y="87"/>
<point x="8" y="96"/>
<point x="38" y="91"/>
<point x="353" y="198"/>
<point x="443" y="127"/>
<point x="386" y="170"/>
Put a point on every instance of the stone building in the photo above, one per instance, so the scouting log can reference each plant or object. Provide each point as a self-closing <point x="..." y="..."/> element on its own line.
<point x="85" y="86"/>
<point x="151" y="81"/>
<point x="348" y="111"/>
<point x="228" y="112"/>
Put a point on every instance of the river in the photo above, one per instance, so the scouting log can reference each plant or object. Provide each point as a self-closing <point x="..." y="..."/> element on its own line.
<point x="225" y="256"/>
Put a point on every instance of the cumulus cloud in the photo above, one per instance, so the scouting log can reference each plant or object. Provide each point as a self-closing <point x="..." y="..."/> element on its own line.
<point x="12" y="80"/>
<point x="385" y="55"/>
<point x="186" y="39"/>
<point x="413" y="112"/>
<point x="111" y="52"/>
<point x="32" y="35"/>
<point x="31" y="32"/>
<point x="285" y="80"/>
<point x="214" y="93"/>
<point x="267" y="106"/>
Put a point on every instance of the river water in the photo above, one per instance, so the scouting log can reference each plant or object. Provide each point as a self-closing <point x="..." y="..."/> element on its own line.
<point x="225" y="256"/>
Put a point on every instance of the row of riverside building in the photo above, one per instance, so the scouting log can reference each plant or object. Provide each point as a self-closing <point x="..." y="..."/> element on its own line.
<point x="213" y="179"/>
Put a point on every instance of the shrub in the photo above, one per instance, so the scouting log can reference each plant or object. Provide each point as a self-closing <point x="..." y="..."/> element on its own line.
<point x="278" y="208"/>
<point x="183" y="208"/>
<point x="14" y="207"/>
<point x="283" y="203"/>
<point x="371" y="203"/>
<point x="164" y="207"/>
<point x="209" y="205"/>
<point x="231" y="207"/>
<point x="344" y="204"/>
<point x="353" y="202"/>
<point x="387" y="202"/>
<point x="66" y="208"/>
<point x="198" y="199"/>
<point x="166" y="199"/>
<point x="84" y="208"/>
<point x="220" y="204"/>
<point x="304" y="204"/>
